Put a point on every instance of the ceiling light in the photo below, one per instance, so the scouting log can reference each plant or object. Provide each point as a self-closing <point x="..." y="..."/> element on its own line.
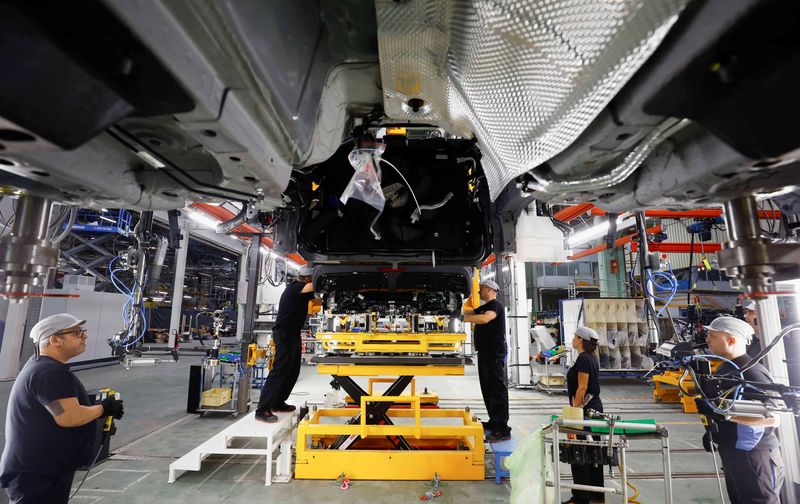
<point x="598" y="231"/>
<point x="203" y="219"/>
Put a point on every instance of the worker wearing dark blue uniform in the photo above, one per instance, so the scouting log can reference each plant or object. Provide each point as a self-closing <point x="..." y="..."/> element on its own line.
<point x="583" y="380"/>
<point x="292" y="313"/>
<point x="50" y="421"/>
<point x="490" y="343"/>
<point x="748" y="447"/>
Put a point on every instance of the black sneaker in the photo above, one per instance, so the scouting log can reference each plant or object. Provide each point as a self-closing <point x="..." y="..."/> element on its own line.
<point x="266" y="416"/>
<point x="496" y="437"/>
<point x="284" y="408"/>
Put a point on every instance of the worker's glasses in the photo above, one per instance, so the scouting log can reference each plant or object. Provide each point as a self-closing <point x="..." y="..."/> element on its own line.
<point x="78" y="332"/>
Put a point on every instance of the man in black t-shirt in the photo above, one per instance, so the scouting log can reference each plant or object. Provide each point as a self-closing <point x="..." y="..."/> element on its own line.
<point x="490" y="343"/>
<point x="50" y="422"/>
<point x="292" y="313"/>
<point x="749" y="449"/>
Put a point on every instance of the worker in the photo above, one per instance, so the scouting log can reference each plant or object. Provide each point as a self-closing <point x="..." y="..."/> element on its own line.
<point x="583" y="383"/>
<point x="749" y="449"/>
<point x="751" y="317"/>
<point x="490" y="343"/>
<point x="50" y="421"/>
<point x="292" y="313"/>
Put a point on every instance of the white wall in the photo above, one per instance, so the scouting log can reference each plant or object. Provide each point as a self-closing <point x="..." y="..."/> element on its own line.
<point x="101" y="310"/>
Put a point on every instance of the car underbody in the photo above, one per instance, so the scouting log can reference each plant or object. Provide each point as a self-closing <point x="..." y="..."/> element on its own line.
<point x="627" y="105"/>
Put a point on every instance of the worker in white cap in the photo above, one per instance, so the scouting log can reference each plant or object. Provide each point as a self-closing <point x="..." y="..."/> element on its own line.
<point x="490" y="343"/>
<point x="50" y="421"/>
<point x="749" y="449"/>
<point x="292" y="312"/>
<point x="583" y="388"/>
<point x="751" y="317"/>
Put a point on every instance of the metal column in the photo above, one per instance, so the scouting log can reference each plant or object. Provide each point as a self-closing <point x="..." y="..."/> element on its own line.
<point x="177" y="284"/>
<point x="644" y="269"/>
<point x="251" y="306"/>
<point x="770" y="323"/>
<point x="241" y="296"/>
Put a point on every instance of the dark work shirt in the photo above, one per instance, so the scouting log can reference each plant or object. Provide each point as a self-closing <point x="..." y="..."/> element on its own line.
<point x="585" y="363"/>
<point x="490" y="339"/>
<point x="735" y="435"/>
<point x="292" y="310"/>
<point x="34" y="441"/>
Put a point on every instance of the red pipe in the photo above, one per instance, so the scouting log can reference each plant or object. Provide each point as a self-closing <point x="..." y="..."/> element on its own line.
<point x="569" y="213"/>
<point x="700" y="213"/>
<point x="680" y="247"/>
<point x="619" y="243"/>
<point x="223" y="214"/>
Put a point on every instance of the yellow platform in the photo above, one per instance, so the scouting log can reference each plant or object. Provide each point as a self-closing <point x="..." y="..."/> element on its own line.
<point x="392" y="342"/>
<point x="455" y="451"/>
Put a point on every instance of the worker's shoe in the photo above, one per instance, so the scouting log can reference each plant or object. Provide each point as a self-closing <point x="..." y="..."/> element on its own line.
<point x="266" y="416"/>
<point x="495" y="437"/>
<point x="487" y="426"/>
<point x="284" y="408"/>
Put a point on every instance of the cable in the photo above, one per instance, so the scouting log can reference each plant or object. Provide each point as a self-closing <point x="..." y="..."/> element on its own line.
<point x="91" y="466"/>
<point x="631" y="499"/>
<point x="379" y="159"/>
<point x="786" y="330"/>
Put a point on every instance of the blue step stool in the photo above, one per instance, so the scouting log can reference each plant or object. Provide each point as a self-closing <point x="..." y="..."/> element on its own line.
<point x="501" y="449"/>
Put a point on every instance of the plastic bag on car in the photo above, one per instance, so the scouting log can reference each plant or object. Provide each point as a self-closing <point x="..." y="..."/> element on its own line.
<point x="365" y="185"/>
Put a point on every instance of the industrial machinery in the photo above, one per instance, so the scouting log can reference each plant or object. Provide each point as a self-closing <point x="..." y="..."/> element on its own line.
<point x="127" y="344"/>
<point x="398" y="145"/>
<point x="393" y="435"/>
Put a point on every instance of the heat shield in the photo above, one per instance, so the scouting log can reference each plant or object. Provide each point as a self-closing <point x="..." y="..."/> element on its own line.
<point x="524" y="77"/>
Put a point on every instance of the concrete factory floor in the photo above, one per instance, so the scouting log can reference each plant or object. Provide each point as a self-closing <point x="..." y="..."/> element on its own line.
<point x="156" y="431"/>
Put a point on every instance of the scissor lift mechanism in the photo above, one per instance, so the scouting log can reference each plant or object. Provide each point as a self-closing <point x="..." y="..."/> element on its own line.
<point x="392" y="436"/>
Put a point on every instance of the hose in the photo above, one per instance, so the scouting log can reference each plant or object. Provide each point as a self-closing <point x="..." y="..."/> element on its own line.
<point x="632" y="498"/>
<point x="73" y="213"/>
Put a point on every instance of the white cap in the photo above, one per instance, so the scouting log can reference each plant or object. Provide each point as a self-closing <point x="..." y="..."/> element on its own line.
<point x="587" y="333"/>
<point x="733" y="326"/>
<point x="750" y="305"/>
<point x="48" y="326"/>
<point x="491" y="284"/>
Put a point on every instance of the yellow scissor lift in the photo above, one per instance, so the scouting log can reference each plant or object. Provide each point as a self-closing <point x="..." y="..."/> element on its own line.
<point x="390" y="436"/>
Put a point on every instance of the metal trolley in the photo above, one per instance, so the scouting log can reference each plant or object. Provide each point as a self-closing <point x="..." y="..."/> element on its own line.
<point x="221" y="375"/>
<point x="552" y="436"/>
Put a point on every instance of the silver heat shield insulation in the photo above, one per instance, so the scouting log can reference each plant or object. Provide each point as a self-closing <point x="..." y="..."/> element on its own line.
<point x="524" y="77"/>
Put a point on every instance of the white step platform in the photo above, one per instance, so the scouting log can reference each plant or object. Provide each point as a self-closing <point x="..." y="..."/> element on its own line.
<point x="277" y="435"/>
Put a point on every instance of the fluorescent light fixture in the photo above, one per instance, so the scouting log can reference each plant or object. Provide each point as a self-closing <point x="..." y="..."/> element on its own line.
<point x="203" y="219"/>
<point x="226" y="259"/>
<point x="598" y="231"/>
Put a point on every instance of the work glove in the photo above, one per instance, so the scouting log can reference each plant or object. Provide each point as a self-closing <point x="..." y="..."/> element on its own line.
<point x="707" y="441"/>
<point x="112" y="407"/>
